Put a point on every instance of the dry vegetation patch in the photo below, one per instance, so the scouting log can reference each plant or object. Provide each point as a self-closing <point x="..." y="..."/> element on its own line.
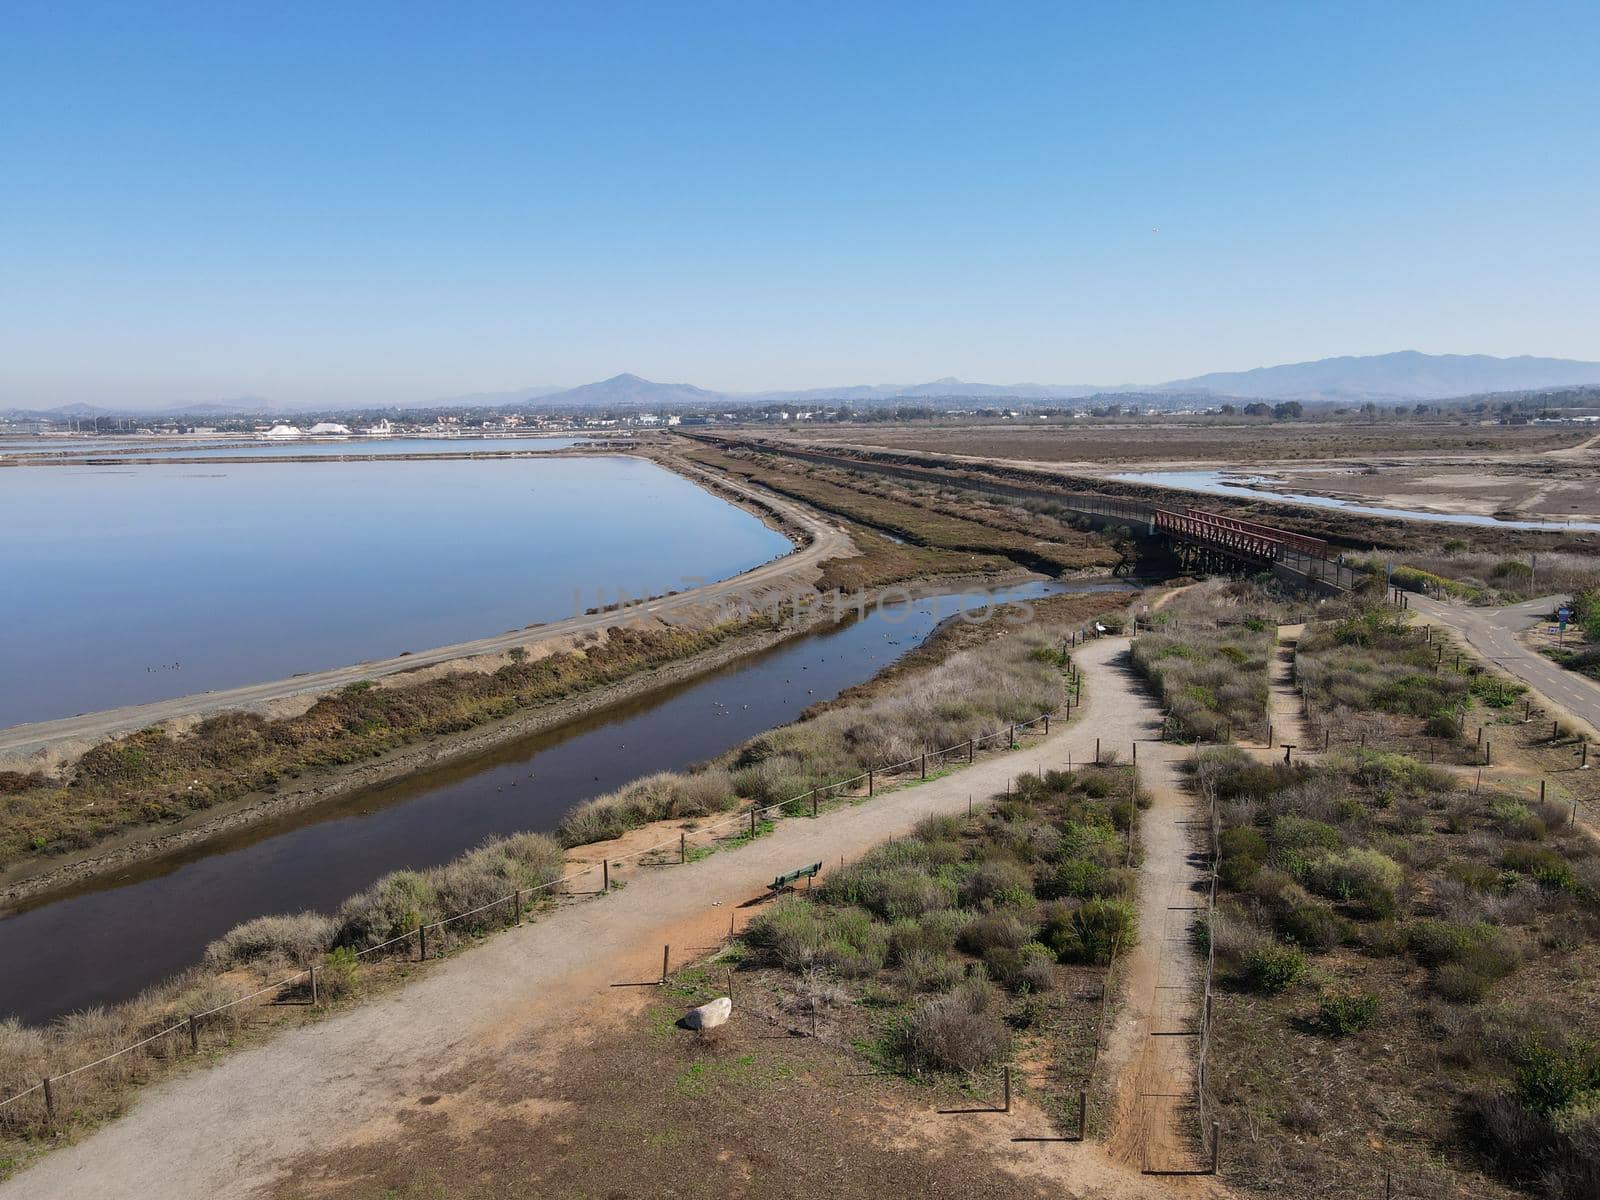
<point x="154" y="776"/>
<point x="1206" y="654"/>
<point x="1404" y="970"/>
<point x="972" y="943"/>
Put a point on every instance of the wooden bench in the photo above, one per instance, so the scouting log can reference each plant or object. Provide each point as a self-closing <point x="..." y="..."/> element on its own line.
<point x="785" y="881"/>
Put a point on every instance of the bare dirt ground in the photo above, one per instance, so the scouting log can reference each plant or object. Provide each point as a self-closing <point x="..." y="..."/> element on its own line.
<point x="1173" y="443"/>
<point x="1284" y="706"/>
<point x="1534" y="473"/>
<point x="344" y="1083"/>
<point x="1530" y="488"/>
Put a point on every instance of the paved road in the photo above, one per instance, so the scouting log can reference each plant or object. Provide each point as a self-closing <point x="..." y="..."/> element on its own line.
<point x="232" y="1128"/>
<point x="828" y="540"/>
<point x="1492" y="632"/>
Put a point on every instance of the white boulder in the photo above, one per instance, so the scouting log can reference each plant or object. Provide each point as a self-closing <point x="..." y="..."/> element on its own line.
<point x="708" y="1015"/>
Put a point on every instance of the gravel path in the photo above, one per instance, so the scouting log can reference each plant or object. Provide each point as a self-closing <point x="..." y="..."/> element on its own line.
<point x="224" y="1131"/>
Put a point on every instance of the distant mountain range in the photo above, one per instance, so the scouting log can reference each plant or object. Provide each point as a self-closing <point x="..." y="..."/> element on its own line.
<point x="1407" y="375"/>
<point x="1388" y="378"/>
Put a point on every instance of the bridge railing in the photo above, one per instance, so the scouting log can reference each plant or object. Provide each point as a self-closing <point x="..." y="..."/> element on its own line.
<point x="1206" y="530"/>
<point x="1299" y="541"/>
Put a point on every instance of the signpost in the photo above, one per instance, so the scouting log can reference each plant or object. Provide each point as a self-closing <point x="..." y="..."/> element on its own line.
<point x="1563" y="615"/>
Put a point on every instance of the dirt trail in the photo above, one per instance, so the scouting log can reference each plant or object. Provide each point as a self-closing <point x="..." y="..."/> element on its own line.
<point x="1285" y="709"/>
<point x="1151" y="1052"/>
<point x="228" y="1129"/>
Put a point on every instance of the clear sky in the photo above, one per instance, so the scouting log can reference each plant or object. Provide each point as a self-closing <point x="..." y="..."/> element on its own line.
<point x="362" y="202"/>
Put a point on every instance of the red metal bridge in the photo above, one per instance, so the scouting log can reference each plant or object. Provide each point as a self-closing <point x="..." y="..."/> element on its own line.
<point x="1203" y="539"/>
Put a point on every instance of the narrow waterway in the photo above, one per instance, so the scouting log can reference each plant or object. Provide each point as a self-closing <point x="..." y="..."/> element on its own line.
<point x="1247" y="486"/>
<point x="113" y="937"/>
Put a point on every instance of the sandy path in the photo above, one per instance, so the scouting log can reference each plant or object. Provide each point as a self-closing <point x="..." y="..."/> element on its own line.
<point x="226" y="1130"/>
<point x="828" y="541"/>
<point x="1285" y="709"/>
<point x="1154" y="1039"/>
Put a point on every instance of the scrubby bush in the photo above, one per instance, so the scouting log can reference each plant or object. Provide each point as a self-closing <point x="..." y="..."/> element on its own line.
<point x="961" y="1031"/>
<point x="397" y="904"/>
<point x="301" y="939"/>
<point x="998" y="883"/>
<point x="1313" y="927"/>
<point x="338" y="975"/>
<point x="1091" y="932"/>
<point x="1026" y="968"/>
<point x="1364" y="879"/>
<point x="1341" y="1013"/>
<point x="1272" y="968"/>
<point x="989" y="930"/>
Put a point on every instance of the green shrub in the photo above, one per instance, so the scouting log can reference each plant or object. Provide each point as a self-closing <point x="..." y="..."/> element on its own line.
<point x="1547" y="867"/>
<point x="396" y="905"/>
<point x="1552" y="1076"/>
<point x="999" y="883"/>
<point x="1340" y="1013"/>
<point x="1272" y="968"/>
<point x="1026" y="968"/>
<point x="1433" y="943"/>
<point x="1313" y="927"/>
<point x="923" y="971"/>
<point x="1092" y="932"/>
<point x="338" y="975"/>
<point x="1364" y="879"/>
<point x="988" y="930"/>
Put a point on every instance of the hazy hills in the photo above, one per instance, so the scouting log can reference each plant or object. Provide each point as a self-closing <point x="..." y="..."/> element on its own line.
<point x="1390" y="378"/>
<point x="1407" y="375"/>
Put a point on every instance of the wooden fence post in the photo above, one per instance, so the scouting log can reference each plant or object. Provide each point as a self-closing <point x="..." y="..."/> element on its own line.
<point x="422" y="942"/>
<point x="754" y="808"/>
<point x="194" y="1035"/>
<point x="605" y="878"/>
<point x="683" y="846"/>
<point x="924" y="764"/>
<point x="969" y="751"/>
<point x="1083" y="1113"/>
<point x="314" y="997"/>
<point x="872" y="785"/>
<point x="666" y="957"/>
<point x="1007" y="1107"/>
<point x="49" y="1100"/>
<point x="1097" y="752"/>
<point x="1216" y="1146"/>
<point x="813" y="802"/>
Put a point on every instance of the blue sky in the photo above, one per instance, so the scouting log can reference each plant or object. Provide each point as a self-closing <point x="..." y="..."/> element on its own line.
<point x="364" y="202"/>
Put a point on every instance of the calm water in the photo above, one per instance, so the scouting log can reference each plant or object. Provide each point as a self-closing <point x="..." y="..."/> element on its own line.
<point x="129" y="584"/>
<point x="110" y="940"/>
<point x="354" y="448"/>
<point x="1232" y="483"/>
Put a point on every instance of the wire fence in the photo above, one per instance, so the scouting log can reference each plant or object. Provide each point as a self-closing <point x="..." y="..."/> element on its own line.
<point x="515" y="901"/>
